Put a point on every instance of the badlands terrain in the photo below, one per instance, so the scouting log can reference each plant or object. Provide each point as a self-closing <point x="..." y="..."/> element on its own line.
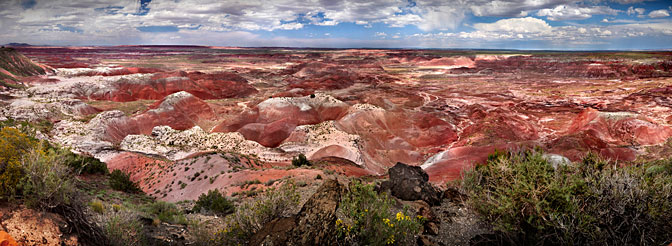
<point x="442" y="110"/>
<point x="218" y="117"/>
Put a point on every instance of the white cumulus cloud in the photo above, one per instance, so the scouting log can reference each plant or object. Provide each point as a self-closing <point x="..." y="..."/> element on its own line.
<point x="632" y="10"/>
<point x="515" y="25"/>
<point x="659" y="13"/>
<point x="573" y="12"/>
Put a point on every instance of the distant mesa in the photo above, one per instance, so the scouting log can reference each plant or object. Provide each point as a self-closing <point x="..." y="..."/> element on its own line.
<point x="17" y="45"/>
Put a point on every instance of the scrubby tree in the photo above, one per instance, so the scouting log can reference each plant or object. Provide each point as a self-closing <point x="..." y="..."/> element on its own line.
<point x="122" y="182"/>
<point x="300" y="160"/>
<point x="215" y="202"/>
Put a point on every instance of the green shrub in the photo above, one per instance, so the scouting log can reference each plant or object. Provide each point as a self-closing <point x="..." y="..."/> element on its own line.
<point x="14" y="145"/>
<point x="368" y="218"/>
<point x="48" y="182"/>
<point x="33" y="170"/>
<point x="251" y="216"/>
<point x="122" y="182"/>
<point x="97" y="206"/>
<point x="215" y="202"/>
<point x="26" y="127"/>
<point x="165" y="212"/>
<point x="301" y="160"/>
<point x="123" y="228"/>
<point x="590" y="202"/>
<point x="85" y="164"/>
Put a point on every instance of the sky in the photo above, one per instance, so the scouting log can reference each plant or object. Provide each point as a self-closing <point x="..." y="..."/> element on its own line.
<point x="478" y="24"/>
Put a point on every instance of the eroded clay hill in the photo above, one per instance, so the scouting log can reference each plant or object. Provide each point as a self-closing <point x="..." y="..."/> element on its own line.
<point x="14" y="66"/>
<point x="236" y="115"/>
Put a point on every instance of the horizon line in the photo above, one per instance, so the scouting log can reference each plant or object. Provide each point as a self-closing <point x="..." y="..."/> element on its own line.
<point x="15" y="45"/>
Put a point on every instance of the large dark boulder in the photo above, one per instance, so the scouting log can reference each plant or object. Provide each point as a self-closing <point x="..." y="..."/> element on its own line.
<point x="313" y="225"/>
<point x="411" y="183"/>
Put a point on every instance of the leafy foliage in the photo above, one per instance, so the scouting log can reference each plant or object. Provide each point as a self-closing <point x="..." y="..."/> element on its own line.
<point x="369" y="219"/>
<point x="300" y="160"/>
<point x="14" y="144"/>
<point x="215" y="202"/>
<point x="251" y="216"/>
<point x="48" y="182"/>
<point x="28" y="128"/>
<point x="590" y="202"/>
<point x="33" y="171"/>
<point x="97" y="206"/>
<point x="123" y="228"/>
<point x="86" y="164"/>
<point x="166" y="212"/>
<point x="122" y="182"/>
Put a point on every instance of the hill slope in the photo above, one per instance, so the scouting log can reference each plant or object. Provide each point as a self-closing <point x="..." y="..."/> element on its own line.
<point x="14" y="65"/>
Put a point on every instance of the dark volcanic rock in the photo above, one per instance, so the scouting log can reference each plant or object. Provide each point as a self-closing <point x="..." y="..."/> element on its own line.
<point x="410" y="183"/>
<point x="313" y="225"/>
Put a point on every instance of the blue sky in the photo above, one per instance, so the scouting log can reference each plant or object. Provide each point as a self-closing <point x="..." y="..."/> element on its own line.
<point x="500" y="24"/>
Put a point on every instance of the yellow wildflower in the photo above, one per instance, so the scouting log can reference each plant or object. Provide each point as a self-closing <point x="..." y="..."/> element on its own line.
<point x="400" y="216"/>
<point x="390" y="240"/>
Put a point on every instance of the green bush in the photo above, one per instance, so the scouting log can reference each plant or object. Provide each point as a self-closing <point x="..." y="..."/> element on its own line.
<point x="28" y="128"/>
<point x="215" y="202"/>
<point x="85" y="164"/>
<point x="48" y="182"/>
<point x="300" y="160"/>
<point x="97" y="206"/>
<point x="368" y="218"/>
<point x="165" y="212"/>
<point x="33" y="170"/>
<point x="14" y="145"/>
<point x="251" y="216"/>
<point x="123" y="228"/>
<point x="122" y="182"/>
<point x="591" y="202"/>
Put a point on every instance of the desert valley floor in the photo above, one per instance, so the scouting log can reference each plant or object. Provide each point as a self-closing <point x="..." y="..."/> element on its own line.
<point x="230" y="115"/>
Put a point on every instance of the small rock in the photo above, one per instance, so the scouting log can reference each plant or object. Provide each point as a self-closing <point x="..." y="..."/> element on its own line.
<point x="424" y="240"/>
<point x="431" y="228"/>
<point x="454" y="195"/>
<point x="556" y="160"/>
<point x="410" y="183"/>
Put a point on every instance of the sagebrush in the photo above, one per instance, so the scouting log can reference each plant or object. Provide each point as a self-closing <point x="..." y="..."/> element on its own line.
<point x="249" y="217"/>
<point x="589" y="202"/>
